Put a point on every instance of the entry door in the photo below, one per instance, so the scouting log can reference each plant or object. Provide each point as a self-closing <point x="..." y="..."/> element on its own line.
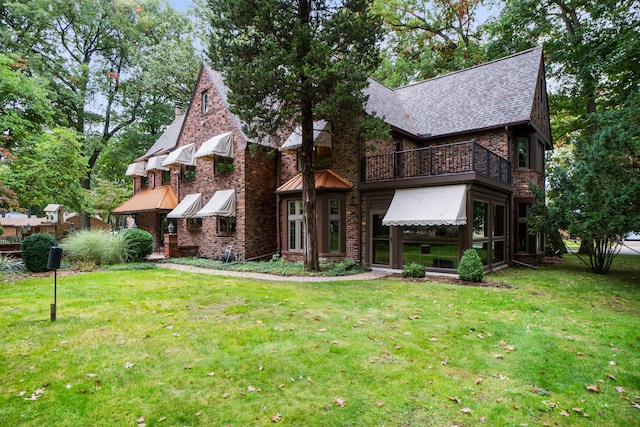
<point x="380" y="240"/>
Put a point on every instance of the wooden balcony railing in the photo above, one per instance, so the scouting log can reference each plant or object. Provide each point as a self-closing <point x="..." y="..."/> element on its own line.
<point x="458" y="158"/>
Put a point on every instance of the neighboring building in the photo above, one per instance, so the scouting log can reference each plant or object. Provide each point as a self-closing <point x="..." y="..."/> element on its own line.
<point x="95" y="222"/>
<point x="454" y="175"/>
<point x="20" y="225"/>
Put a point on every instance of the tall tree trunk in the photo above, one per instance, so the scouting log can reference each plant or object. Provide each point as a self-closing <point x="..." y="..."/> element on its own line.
<point x="311" y="261"/>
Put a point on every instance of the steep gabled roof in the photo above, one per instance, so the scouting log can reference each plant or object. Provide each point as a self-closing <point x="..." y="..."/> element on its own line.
<point x="168" y="139"/>
<point x="490" y="95"/>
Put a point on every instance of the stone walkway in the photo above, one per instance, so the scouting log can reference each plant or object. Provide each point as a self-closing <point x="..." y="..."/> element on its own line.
<point x="370" y="275"/>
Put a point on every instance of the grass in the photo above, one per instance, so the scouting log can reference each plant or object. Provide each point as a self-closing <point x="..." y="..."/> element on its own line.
<point x="162" y="347"/>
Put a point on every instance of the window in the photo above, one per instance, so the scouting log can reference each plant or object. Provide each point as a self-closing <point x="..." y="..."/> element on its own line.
<point x="431" y="246"/>
<point x="322" y="157"/>
<point x="144" y="182"/>
<point x="222" y="164"/>
<point x="540" y="156"/>
<point x="226" y="224"/>
<point x="481" y="228"/>
<point x="194" y="222"/>
<point x="205" y="102"/>
<point x="522" y="230"/>
<point x="188" y="172"/>
<point x="498" y="244"/>
<point x="166" y="177"/>
<point x="334" y="225"/>
<point x="296" y="230"/>
<point x="523" y="152"/>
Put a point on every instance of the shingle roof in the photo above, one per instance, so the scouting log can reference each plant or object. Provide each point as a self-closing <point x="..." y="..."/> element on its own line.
<point x="494" y="94"/>
<point x="168" y="139"/>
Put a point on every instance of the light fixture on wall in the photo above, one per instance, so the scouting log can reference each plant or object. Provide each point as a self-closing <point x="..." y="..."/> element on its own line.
<point x="170" y="228"/>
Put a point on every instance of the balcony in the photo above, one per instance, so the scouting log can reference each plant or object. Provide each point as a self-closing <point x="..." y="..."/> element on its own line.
<point x="437" y="160"/>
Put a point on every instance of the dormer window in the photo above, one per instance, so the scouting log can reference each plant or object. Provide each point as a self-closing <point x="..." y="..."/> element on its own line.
<point x="205" y="102"/>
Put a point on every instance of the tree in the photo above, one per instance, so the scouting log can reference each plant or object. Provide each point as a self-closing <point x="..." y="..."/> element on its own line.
<point x="107" y="62"/>
<point x="50" y="171"/>
<point x="593" y="51"/>
<point x="293" y="62"/>
<point x="427" y="38"/>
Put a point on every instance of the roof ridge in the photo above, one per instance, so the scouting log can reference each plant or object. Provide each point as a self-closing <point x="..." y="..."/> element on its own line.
<point x="526" y="51"/>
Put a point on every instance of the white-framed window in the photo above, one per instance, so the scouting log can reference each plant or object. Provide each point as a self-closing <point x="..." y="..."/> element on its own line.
<point x="205" y="101"/>
<point x="295" y="227"/>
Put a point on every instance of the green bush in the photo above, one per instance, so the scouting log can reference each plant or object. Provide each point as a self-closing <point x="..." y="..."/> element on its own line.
<point x="139" y="244"/>
<point x="413" y="269"/>
<point x="94" y="247"/>
<point x="35" y="251"/>
<point x="470" y="268"/>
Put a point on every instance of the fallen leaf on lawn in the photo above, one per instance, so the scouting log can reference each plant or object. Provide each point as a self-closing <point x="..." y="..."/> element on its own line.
<point x="612" y="363"/>
<point x="339" y="401"/>
<point x="260" y="368"/>
<point x="162" y="419"/>
<point x="141" y="419"/>
<point x="612" y="377"/>
<point x="593" y="387"/>
<point x="455" y="399"/>
<point x="281" y="386"/>
<point x="322" y="330"/>
<point x="211" y="373"/>
<point x="565" y="413"/>
<point x="433" y="339"/>
<point x="482" y="420"/>
<point x="22" y="393"/>
<point x="129" y="365"/>
<point x="276" y="418"/>
<point x="68" y="386"/>
<point x="414" y="317"/>
<point x="498" y="356"/>
<point x="465" y="410"/>
<point x="186" y="367"/>
<point x="379" y="403"/>
<point x="620" y="389"/>
<point x="500" y="377"/>
<point x="478" y="381"/>
<point x="443" y="362"/>
<point x="251" y="388"/>
<point x="577" y="409"/>
<point x="397" y="347"/>
<point x="142" y="425"/>
<point x="224" y="396"/>
<point x="635" y="405"/>
<point x="481" y="336"/>
<point x="33" y="397"/>
<point x="91" y="375"/>
<point x="198" y="413"/>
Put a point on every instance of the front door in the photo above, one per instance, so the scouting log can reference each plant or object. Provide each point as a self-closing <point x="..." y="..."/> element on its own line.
<point x="380" y="240"/>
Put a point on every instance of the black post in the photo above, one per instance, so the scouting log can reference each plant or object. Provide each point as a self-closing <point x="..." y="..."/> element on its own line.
<point x="55" y="255"/>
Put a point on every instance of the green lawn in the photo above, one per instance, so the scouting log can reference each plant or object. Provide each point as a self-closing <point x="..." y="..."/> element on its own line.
<point x="166" y="348"/>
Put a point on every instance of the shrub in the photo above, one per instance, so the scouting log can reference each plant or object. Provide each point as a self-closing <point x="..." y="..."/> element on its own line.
<point x="94" y="247"/>
<point x="413" y="269"/>
<point x="9" y="264"/>
<point x="35" y="251"/>
<point x="470" y="267"/>
<point x="139" y="244"/>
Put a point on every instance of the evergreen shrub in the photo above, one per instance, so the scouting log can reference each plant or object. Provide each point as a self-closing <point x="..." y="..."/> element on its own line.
<point x="413" y="269"/>
<point x="138" y="243"/>
<point x="35" y="251"/>
<point x="470" y="267"/>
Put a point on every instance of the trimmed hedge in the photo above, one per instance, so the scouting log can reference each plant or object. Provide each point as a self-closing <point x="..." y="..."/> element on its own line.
<point x="413" y="269"/>
<point x="35" y="251"/>
<point x="470" y="267"/>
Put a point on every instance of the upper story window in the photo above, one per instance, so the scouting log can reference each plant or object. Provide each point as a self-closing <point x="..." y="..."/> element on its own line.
<point x="166" y="177"/>
<point x="144" y="182"/>
<point x="321" y="158"/>
<point x="188" y="171"/>
<point x="205" y="101"/>
<point x="522" y="145"/>
<point x="222" y="164"/>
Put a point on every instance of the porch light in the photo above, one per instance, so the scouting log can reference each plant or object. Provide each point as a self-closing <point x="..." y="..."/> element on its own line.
<point x="170" y="228"/>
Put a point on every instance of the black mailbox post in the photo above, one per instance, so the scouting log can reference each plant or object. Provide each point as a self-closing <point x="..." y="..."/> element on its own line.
<point x="55" y="255"/>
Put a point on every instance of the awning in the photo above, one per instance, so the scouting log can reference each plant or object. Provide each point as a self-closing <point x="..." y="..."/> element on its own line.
<point x="152" y="199"/>
<point x="223" y="203"/>
<point x="325" y="179"/>
<point x="321" y="136"/>
<point x="137" y="169"/>
<point x="188" y="207"/>
<point x="181" y="156"/>
<point x="155" y="163"/>
<point x="219" y="145"/>
<point x="444" y="205"/>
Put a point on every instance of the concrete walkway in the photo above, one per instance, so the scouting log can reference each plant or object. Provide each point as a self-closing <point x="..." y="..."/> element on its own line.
<point x="370" y="275"/>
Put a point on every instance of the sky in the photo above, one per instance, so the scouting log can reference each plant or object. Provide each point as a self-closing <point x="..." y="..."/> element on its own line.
<point x="181" y="5"/>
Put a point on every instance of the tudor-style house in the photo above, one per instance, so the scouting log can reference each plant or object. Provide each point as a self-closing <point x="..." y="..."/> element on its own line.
<point x="453" y="175"/>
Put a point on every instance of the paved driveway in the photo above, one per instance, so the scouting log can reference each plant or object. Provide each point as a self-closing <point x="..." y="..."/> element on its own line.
<point x="630" y="247"/>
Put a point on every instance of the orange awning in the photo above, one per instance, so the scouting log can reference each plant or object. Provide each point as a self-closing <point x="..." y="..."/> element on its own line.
<point x="152" y="199"/>
<point x="325" y="180"/>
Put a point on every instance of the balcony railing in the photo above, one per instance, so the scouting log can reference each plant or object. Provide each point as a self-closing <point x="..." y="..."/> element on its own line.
<point x="458" y="158"/>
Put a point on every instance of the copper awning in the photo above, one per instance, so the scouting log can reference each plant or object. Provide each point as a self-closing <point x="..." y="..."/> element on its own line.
<point x="152" y="199"/>
<point x="325" y="179"/>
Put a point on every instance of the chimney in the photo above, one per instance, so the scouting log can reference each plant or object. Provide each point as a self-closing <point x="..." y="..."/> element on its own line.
<point x="178" y="109"/>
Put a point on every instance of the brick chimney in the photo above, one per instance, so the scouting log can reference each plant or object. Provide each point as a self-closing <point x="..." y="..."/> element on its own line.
<point x="178" y="109"/>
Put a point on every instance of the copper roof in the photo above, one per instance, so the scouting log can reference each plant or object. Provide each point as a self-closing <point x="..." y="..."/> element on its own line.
<point x="152" y="199"/>
<point x="325" y="180"/>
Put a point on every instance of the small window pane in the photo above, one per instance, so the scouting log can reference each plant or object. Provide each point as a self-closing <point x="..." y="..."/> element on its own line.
<point x="523" y="152"/>
<point x="480" y="219"/>
<point x="499" y="220"/>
